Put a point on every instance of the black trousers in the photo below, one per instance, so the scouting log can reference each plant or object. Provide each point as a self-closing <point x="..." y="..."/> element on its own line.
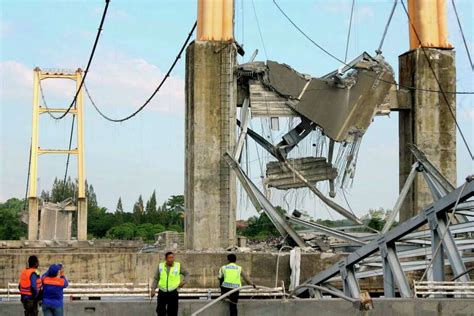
<point x="233" y="300"/>
<point x="30" y="305"/>
<point x="167" y="303"/>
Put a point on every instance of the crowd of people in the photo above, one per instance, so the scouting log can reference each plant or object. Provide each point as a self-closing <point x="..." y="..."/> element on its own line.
<point x="47" y="290"/>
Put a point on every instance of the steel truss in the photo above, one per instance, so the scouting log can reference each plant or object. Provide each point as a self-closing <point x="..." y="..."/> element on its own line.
<point x="435" y="216"/>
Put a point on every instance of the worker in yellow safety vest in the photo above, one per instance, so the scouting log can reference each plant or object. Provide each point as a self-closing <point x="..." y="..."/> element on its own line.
<point x="168" y="280"/>
<point x="229" y="277"/>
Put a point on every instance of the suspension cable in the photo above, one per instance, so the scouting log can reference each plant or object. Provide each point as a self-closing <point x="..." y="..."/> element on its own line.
<point x="259" y="30"/>
<point x="69" y="148"/>
<point x="440" y="90"/>
<point x="379" y="49"/>
<point x="28" y="178"/>
<point x="462" y="34"/>
<point x="352" y="67"/>
<point x="57" y="118"/>
<point x="152" y="95"/>
<point x="349" y="30"/>
<point x="45" y="103"/>
<point x="99" y="31"/>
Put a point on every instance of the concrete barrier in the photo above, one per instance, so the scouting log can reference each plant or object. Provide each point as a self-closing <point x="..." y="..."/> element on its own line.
<point x="330" y="307"/>
<point x="95" y="265"/>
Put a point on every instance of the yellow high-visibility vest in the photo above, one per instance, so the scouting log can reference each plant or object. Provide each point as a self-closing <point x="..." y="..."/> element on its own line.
<point x="169" y="281"/>
<point x="231" y="274"/>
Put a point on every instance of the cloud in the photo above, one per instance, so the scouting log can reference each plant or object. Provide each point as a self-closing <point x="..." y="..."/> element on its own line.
<point x="16" y="82"/>
<point x="468" y="114"/>
<point x="128" y="82"/>
<point x="114" y="82"/>
<point x="363" y="12"/>
<point x="5" y="29"/>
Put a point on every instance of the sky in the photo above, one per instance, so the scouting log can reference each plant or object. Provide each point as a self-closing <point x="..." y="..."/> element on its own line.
<point x="139" y="41"/>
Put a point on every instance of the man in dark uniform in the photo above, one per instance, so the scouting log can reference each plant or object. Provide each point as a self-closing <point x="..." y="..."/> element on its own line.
<point x="30" y="286"/>
<point x="229" y="277"/>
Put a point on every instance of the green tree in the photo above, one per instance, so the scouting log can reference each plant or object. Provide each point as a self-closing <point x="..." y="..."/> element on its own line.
<point x="376" y="218"/>
<point x="12" y="227"/>
<point x="138" y="210"/>
<point x="151" y="213"/>
<point x="91" y="196"/>
<point x="171" y="213"/>
<point x="261" y="227"/>
<point x="147" y="231"/>
<point x="119" y="211"/>
<point x="45" y="196"/>
<point x="125" y="231"/>
<point x="99" y="221"/>
<point x="62" y="190"/>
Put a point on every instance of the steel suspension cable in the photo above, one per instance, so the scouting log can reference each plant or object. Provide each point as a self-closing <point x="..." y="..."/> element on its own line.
<point x="462" y="34"/>
<point x="153" y="94"/>
<point x="351" y="67"/>
<point x="349" y="30"/>
<point x="379" y="49"/>
<point x="28" y="178"/>
<point x="259" y="30"/>
<point x="57" y="118"/>
<point x="69" y="148"/>
<point x="440" y="90"/>
<point x="91" y="56"/>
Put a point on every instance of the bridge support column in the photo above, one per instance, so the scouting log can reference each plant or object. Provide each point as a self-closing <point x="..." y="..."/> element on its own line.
<point x="210" y="185"/>
<point x="428" y="122"/>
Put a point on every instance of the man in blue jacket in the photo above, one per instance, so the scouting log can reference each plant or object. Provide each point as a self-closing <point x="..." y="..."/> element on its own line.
<point x="54" y="283"/>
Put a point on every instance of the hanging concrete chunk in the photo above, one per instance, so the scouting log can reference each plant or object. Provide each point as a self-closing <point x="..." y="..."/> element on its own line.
<point x="312" y="168"/>
<point x="267" y="103"/>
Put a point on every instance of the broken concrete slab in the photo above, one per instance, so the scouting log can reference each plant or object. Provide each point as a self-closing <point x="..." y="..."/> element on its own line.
<point x="342" y="103"/>
<point x="312" y="168"/>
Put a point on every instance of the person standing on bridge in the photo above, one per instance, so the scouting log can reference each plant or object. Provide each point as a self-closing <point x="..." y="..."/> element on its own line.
<point x="229" y="278"/>
<point x="30" y="286"/>
<point x="168" y="280"/>
<point x="54" y="283"/>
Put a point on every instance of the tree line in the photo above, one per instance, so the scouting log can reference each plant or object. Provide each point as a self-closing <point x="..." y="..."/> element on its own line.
<point x="143" y="222"/>
<point x="145" y="219"/>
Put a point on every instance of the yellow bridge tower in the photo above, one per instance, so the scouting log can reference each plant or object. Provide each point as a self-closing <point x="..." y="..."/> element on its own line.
<point x="36" y="150"/>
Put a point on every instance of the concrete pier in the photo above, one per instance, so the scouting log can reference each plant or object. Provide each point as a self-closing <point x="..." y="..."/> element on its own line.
<point x="428" y="122"/>
<point x="210" y="185"/>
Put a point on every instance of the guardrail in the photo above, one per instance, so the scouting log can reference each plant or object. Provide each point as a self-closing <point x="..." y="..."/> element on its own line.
<point x="77" y="291"/>
<point x="428" y="288"/>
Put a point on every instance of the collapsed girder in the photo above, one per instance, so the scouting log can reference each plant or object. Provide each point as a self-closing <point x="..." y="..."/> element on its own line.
<point x="260" y="202"/>
<point x="342" y="103"/>
<point x="276" y="152"/>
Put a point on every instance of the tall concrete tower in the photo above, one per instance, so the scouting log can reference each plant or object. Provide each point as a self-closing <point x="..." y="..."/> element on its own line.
<point x="427" y="123"/>
<point x="210" y="186"/>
